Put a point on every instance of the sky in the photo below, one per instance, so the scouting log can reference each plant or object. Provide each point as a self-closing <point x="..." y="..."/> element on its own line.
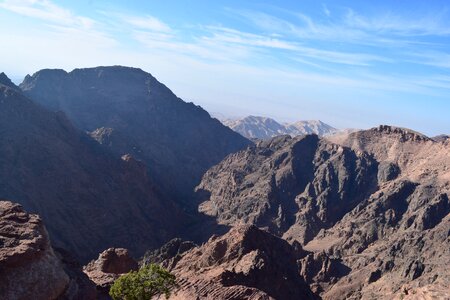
<point x="352" y="64"/>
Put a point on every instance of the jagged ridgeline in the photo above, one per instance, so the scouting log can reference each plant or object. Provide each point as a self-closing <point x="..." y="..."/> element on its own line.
<point x="130" y="111"/>
<point x="373" y="206"/>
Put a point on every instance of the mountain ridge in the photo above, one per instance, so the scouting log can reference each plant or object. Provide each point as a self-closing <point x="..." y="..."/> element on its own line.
<point x="256" y="127"/>
<point x="376" y="202"/>
<point x="81" y="190"/>
<point x="130" y="111"/>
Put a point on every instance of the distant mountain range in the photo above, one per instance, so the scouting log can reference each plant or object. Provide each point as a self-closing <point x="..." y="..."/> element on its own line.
<point x="256" y="127"/>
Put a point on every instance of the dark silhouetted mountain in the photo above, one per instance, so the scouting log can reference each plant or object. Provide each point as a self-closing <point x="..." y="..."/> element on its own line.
<point x="89" y="199"/>
<point x="129" y="111"/>
<point x="4" y="80"/>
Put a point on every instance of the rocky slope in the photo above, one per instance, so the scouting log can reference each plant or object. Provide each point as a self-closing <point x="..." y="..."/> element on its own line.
<point x="29" y="268"/>
<point x="245" y="263"/>
<point x="89" y="199"/>
<point x="442" y="138"/>
<point x="292" y="186"/>
<point x="254" y="127"/>
<point x="129" y="111"/>
<point x="374" y="204"/>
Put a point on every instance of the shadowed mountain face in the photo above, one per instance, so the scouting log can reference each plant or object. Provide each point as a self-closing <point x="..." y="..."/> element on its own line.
<point x="89" y="199"/>
<point x="292" y="186"/>
<point x="129" y="111"/>
<point x="375" y="202"/>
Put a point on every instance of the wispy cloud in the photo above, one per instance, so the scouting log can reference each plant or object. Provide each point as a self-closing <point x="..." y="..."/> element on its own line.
<point x="388" y="23"/>
<point x="279" y="54"/>
<point x="146" y="22"/>
<point x="326" y="11"/>
<point x="46" y="11"/>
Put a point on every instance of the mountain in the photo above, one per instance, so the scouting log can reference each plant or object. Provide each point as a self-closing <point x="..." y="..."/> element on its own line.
<point x="372" y="206"/>
<point x="263" y="128"/>
<point x="4" y="80"/>
<point x="311" y="127"/>
<point x="89" y="199"/>
<point x="245" y="263"/>
<point x="441" y="138"/>
<point x="129" y="111"/>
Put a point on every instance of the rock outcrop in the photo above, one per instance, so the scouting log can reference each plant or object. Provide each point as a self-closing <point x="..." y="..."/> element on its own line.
<point x="169" y="254"/>
<point x="109" y="265"/>
<point x="129" y="111"/>
<point x="89" y="199"/>
<point x="245" y="263"/>
<point x="29" y="268"/>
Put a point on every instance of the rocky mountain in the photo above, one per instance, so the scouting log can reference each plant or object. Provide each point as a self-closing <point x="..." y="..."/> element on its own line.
<point x="245" y="263"/>
<point x="89" y="199"/>
<point x="254" y="127"/>
<point x="441" y="138"/>
<point x="373" y="204"/>
<point x="129" y="111"/>
<point x="4" y="80"/>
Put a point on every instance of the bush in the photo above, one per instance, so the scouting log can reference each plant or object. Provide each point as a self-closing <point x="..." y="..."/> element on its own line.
<point x="151" y="280"/>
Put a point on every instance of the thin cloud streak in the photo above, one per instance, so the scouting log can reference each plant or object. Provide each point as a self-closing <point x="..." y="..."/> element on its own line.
<point x="284" y="59"/>
<point x="47" y="11"/>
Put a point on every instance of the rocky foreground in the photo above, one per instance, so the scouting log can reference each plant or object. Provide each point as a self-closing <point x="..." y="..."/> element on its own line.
<point x="246" y="263"/>
<point x="29" y="267"/>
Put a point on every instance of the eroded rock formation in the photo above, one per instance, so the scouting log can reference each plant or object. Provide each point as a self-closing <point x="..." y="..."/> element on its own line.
<point x="372" y="207"/>
<point x="245" y="263"/>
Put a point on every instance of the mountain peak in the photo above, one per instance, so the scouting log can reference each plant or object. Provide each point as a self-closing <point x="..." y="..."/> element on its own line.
<point x="258" y="127"/>
<point x="4" y="79"/>
<point x="403" y="133"/>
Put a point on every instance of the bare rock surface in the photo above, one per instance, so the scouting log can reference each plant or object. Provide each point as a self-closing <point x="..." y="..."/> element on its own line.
<point x="169" y="254"/>
<point x="372" y="208"/>
<point x="29" y="269"/>
<point x="245" y="263"/>
<point x="110" y="265"/>
<point x="292" y="186"/>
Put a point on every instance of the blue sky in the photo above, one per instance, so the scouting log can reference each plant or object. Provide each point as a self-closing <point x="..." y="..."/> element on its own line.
<point x="349" y="63"/>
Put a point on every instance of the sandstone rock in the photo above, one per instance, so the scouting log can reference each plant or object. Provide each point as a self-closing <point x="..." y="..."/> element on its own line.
<point x="373" y="205"/>
<point x="245" y="263"/>
<point x="29" y="269"/>
<point x="292" y="186"/>
<point x="169" y="254"/>
<point x="109" y="265"/>
<point x="387" y="171"/>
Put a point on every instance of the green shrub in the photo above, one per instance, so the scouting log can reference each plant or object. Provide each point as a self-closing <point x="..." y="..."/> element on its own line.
<point x="151" y="280"/>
